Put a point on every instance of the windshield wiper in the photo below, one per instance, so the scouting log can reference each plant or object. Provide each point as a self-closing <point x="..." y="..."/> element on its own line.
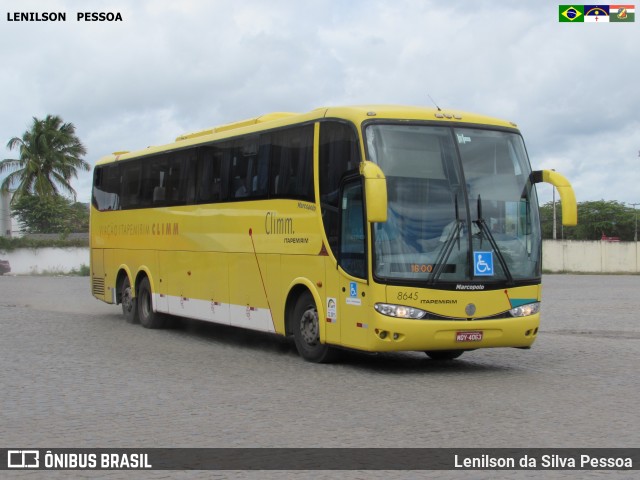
<point x="448" y="246"/>
<point x="482" y="225"/>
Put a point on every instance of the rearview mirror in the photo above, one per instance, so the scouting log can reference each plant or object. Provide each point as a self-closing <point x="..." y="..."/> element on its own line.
<point x="375" y="190"/>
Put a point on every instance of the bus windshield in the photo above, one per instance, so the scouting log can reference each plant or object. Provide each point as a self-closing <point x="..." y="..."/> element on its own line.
<point x="461" y="207"/>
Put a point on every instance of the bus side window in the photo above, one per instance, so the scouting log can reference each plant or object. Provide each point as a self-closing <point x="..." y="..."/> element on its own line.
<point x="176" y="190"/>
<point x="242" y="157"/>
<point x="106" y="188"/>
<point x="152" y="190"/>
<point x="239" y="177"/>
<point x="131" y="173"/>
<point x="260" y="180"/>
<point x="212" y="174"/>
<point x="292" y="163"/>
<point x="190" y="178"/>
<point x="204" y="175"/>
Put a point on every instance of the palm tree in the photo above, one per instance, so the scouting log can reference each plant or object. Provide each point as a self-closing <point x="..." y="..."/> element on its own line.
<point x="50" y="156"/>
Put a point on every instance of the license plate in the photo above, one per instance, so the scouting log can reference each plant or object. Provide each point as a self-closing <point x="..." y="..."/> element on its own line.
<point x="469" y="336"/>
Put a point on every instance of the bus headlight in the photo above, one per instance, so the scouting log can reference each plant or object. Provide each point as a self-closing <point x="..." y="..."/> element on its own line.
<point x="399" y="311"/>
<point x="525" y="310"/>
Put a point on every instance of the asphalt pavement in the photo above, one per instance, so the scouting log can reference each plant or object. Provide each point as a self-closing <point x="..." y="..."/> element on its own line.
<point x="77" y="375"/>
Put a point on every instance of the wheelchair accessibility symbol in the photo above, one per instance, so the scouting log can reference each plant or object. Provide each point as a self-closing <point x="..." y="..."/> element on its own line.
<point x="483" y="264"/>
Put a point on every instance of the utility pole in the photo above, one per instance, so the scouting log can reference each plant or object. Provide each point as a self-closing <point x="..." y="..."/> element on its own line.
<point x="635" y="235"/>
<point x="5" y="214"/>
<point x="555" y="236"/>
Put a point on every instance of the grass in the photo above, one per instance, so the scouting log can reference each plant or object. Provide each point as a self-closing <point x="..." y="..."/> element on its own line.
<point x="82" y="271"/>
<point x="8" y="244"/>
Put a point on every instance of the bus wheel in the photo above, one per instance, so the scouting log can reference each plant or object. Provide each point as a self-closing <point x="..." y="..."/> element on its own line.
<point x="148" y="318"/>
<point x="129" y="304"/>
<point x="444" y="354"/>
<point x="306" y="331"/>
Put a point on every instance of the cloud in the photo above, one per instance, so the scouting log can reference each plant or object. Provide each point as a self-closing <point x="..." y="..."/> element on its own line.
<point x="172" y="67"/>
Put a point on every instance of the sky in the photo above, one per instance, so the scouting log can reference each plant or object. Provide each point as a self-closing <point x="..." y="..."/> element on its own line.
<point x="173" y="67"/>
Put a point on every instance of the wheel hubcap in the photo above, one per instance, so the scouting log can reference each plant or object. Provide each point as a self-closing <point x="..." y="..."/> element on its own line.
<point x="127" y="299"/>
<point x="309" y="327"/>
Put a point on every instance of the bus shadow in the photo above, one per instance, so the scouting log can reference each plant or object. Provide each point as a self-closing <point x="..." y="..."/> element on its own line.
<point x="414" y="362"/>
<point x="234" y="336"/>
<point x="393" y="362"/>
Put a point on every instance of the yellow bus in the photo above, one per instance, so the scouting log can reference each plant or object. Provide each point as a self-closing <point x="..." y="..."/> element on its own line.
<point x="375" y="228"/>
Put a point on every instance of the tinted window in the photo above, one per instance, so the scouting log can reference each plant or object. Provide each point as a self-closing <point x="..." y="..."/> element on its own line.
<point x="106" y="187"/>
<point x="352" y="237"/>
<point x="247" y="163"/>
<point x="292" y="163"/>
<point x="154" y="181"/>
<point x="211" y="176"/>
<point x="338" y="155"/>
<point x="131" y="184"/>
<point x="177" y="184"/>
<point x="277" y="164"/>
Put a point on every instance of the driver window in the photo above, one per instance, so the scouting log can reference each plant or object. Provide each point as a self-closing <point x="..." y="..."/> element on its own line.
<point x="352" y="234"/>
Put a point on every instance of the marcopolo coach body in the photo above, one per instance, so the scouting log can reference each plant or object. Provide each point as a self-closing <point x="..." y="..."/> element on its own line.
<point x="376" y="228"/>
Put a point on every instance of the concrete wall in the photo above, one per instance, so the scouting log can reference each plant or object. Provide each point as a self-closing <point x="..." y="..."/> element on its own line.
<point x="590" y="257"/>
<point x="557" y="256"/>
<point x="31" y="261"/>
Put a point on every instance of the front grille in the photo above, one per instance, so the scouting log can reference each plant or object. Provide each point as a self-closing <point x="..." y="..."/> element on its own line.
<point x="434" y="316"/>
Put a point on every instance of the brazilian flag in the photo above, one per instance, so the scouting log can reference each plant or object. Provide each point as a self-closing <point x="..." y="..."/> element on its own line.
<point x="571" y="13"/>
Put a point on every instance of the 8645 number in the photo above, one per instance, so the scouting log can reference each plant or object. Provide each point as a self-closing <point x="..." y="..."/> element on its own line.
<point x="408" y="295"/>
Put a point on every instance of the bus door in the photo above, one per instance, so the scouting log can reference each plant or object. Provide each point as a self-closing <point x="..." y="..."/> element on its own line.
<point x="352" y="308"/>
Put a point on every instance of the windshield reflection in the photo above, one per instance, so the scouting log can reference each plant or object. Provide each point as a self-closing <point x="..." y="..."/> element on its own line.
<point x="461" y="207"/>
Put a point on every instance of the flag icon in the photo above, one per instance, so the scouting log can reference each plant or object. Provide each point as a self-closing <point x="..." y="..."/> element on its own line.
<point x="571" y="13"/>
<point x="596" y="13"/>
<point x="622" y="13"/>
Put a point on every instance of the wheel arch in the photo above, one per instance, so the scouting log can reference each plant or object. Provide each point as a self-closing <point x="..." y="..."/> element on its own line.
<point x="123" y="272"/>
<point x="143" y="273"/>
<point x="296" y="289"/>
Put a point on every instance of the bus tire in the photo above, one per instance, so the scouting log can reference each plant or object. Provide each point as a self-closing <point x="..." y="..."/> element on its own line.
<point x="306" y="331"/>
<point x="148" y="318"/>
<point x="129" y="302"/>
<point x="444" y="354"/>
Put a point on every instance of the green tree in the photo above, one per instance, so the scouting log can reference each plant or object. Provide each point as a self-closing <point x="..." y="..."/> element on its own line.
<point x="595" y="218"/>
<point x="50" y="155"/>
<point x="77" y="219"/>
<point x="50" y="214"/>
<point x="546" y="220"/>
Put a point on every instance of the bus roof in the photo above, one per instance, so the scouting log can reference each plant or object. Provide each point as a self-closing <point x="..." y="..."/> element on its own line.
<point x="357" y="114"/>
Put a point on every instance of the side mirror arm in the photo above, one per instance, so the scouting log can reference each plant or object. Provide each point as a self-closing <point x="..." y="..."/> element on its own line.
<point x="567" y="195"/>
